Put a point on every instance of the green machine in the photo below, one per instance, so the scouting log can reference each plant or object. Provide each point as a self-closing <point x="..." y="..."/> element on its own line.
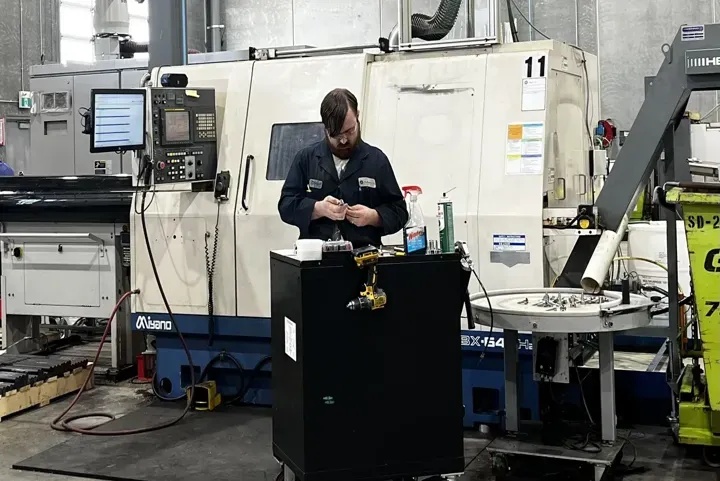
<point x="699" y="384"/>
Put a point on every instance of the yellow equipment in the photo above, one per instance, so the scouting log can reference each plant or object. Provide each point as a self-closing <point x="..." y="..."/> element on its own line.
<point x="206" y="396"/>
<point x="699" y="392"/>
<point x="371" y="297"/>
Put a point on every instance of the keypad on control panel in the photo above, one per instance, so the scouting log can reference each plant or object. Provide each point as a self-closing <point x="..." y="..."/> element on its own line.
<point x="205" y="126"/>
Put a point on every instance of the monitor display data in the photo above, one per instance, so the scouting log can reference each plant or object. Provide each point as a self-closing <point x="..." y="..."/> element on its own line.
<point x="119" y="121"/>
<point x="177" y="126"/>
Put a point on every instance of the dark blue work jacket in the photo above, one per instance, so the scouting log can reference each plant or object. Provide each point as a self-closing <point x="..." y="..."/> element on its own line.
<point x="368" y="179"/>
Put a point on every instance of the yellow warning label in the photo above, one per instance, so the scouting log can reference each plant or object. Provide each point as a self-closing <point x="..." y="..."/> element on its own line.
<point x="515" y="132"/>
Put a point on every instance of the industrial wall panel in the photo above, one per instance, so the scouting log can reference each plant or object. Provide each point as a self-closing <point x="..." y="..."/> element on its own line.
<point x="25" y="16"/>
<point x="52" y="135"/>
<point x="258" y="23"/>
<point x="9" y="56"/>
<point x="17" y="144"/>
<point x="57" y="275"/>
<point x="587" y="25"/>
<point x="631" y="36"/>
<point x="196" y="25"/>
<point x="555" y="18"/>
<point x="84" y="160"/>
<point x="62" y="274"/>
<point x="341" y="22"/>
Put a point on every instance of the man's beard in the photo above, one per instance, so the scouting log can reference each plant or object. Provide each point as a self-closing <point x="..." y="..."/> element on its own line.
<point x="344" y="151"/>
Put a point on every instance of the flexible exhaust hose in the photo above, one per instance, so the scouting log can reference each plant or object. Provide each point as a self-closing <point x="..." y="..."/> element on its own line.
<point x="432" y="28"/>
<point x="439" y="25"/>
<point x="130" y="47"/>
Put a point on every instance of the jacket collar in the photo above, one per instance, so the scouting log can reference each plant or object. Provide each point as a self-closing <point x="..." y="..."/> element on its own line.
<point x="354" y="164"/>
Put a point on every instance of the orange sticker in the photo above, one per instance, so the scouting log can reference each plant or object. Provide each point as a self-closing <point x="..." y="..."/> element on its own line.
<point x="515" y="132"/>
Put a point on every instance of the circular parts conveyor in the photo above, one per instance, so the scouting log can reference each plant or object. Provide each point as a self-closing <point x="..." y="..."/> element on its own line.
<point x="559" y="310"/>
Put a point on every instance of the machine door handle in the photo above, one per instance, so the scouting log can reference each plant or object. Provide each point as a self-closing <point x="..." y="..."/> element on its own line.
<point x="249" y="159"/>
<point x="583" y="179"/>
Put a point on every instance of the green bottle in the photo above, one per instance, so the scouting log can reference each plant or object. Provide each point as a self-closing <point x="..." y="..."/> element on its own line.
<point x="445" y="224"/>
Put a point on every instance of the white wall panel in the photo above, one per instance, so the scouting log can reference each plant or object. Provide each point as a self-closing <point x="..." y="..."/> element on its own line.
<point x="341" y="22"/>
<point x="258" y="23"/>
<point x="631" y="35"/>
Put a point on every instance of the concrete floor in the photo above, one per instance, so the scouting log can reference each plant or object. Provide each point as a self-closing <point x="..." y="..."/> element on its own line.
<point x="29" y="433"/>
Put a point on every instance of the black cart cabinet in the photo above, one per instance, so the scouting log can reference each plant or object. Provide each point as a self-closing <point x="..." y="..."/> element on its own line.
<point x="365" y="395"/>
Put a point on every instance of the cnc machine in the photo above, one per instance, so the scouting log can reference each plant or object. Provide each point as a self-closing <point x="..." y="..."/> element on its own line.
<point x="432" y="113"/>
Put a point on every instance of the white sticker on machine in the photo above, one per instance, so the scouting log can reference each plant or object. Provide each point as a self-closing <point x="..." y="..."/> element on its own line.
<point x="525" y="148"/>
<point x="690" y="33"/>
<point x="290" y="339"/>
<point x="534" y="91"/>
<point x="509" y="243"/>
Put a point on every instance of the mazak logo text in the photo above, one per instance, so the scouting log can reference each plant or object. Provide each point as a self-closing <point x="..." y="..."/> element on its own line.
<point x="145" y="323"/>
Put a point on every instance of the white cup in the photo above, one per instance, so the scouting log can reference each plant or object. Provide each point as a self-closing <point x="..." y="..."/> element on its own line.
<point x="308" y="249"/>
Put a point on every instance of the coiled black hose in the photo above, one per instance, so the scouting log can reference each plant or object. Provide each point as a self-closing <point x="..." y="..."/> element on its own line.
<point x="439" y="25"/>
<point x="210" y="260"/>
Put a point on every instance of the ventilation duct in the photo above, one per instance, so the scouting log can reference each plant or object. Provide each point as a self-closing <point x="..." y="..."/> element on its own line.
<point x="129" y="48"/>
<point x="429" y="28"/>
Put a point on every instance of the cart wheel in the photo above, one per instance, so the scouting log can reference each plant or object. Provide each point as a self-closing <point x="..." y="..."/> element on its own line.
<point x="711" y="456"/>
<point x="500" y="466"/>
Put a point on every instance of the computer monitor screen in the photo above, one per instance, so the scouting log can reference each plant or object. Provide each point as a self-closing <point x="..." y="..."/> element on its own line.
<point x="177" y="126"/>
<point x="118" y="120"/>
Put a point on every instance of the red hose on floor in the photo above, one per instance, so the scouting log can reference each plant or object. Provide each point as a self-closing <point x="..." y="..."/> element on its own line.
<point x="60" y="424"/>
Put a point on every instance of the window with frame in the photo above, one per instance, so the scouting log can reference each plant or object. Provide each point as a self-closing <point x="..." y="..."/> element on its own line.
<point x="286" y="140"/>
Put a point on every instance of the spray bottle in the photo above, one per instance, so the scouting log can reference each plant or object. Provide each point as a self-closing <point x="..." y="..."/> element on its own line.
<point x="445" y="223"/>
<point x="414" y="232"/>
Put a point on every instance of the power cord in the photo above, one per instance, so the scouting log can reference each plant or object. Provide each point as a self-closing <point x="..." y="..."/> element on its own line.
<point x="511" y="19"/>
<point x="492" y="316"/>
<point x="587" y="96"/>
<point x="530" y="24"/>
<point x="253" y="374"/>
<point x="467" y="265"/>
<point x="61" y="423"/>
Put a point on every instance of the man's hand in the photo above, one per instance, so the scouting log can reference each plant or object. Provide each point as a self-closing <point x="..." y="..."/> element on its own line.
<point x="329" y="207"/>
<point x="362" y="216"/>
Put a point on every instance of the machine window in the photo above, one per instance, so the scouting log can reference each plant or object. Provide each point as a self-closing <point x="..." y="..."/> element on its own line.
<point x="285" y="141"/>
<point x="177" y="126"/>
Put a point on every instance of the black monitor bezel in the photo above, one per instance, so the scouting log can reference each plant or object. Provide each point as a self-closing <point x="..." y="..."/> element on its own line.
<point x="124" y="148"/>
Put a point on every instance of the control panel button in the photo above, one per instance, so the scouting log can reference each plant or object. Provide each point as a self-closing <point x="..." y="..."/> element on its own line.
<point x="161" y="165"/>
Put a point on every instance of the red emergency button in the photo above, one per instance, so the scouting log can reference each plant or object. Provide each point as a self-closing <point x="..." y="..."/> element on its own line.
<point x="161" y="165"/>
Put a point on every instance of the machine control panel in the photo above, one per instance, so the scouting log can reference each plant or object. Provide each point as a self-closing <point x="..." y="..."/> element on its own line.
<point x="184" y="135"/>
